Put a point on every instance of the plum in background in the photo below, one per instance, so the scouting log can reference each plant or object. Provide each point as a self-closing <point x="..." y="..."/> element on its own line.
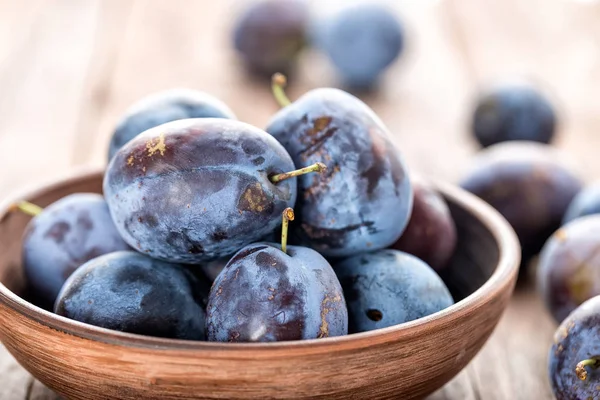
<point x="587" y="202"/>
<point x="162" y="107"/>
<point x="574" y="359"/>
<point x="513" y="111"/>
<point x="389" y="287"/>
<point x="62" y="237"/>
<point x="270" y="34"/>
<point x="130" y="292"/>
<point x="569" y="266"/>
<point x="431" y="232"/>
<point x="530" y="184"/>
<point x="361" y="41"/>
<point x="364" y="199"/>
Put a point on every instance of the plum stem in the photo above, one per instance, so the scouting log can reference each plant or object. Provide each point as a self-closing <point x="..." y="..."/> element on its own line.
<point x="27" y="208"/>
<point x="287" y="216"/>
<point x="316" y="167"/>
<point x="278" y="83"/>
<point x="590" y="362"/>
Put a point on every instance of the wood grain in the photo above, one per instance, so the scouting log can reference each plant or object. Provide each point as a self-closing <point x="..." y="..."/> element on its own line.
<point x="405" y="361"/>
<point x="68" y="69"/>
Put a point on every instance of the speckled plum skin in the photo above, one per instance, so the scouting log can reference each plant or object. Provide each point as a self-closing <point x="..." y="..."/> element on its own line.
<point x="389" y="287"/>
<point x="431" y="232"/>
<point x="266" y="295"/>
<point x="530" y="184"/>
<point x="270" y="34"/>
<point x="569" y="267"/>
<point x="513" y="111"/>
<point x="577" y="339"/>
<point x="162" y="107"/>
<point x="364" y="199"/>
<point x="130" y="292"/>
<point x="361" y="41"/>
<point x="587" y="202"/>
<point x="196" y="190"/>
<point x="64" y="236"/>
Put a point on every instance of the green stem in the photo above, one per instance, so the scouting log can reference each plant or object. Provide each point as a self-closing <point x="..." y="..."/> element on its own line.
<point x="590" y="362"/>
<point x="278" y="83"/>
<point x="287" y="216"/>
<point x="27" y="208"/>
<point x="316" y="167"/>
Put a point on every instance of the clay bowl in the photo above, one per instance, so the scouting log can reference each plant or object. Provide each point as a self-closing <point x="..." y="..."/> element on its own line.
<point x="407" y="361"/>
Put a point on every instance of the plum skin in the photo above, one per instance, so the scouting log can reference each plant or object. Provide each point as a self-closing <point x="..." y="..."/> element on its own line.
<point x="196" y="190"/>
<point x="266" y="295"/>
<point x="65" y="235"/>
<point x="162" y="107"/>
<point x="515" y="111"/>
<point x="130" y="292"/>
<point x="364" y="199"/>
<point x="587" y="202"/>
<point x="431" y="232"/>
<point x="576" y="339"/>
<point x="569" y="266"/>
<point x="389" y="287"/>
<point x="530" y="184"/>
<point x="361" y="41"/>
<point x="270" y="34"/>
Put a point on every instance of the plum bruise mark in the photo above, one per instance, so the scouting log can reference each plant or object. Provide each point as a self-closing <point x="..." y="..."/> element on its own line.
<point x="245" y="253"/>
<point x="157" y="145"/>
<point x="312" y="140"/>
<point x="58" y="231"/>
<point x="255" y="199"/>
<point x="324" y="328"/>
<point x="334" y="237"/>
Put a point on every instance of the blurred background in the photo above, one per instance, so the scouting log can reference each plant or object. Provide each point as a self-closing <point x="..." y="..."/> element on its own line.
<point x="69" y="69"/>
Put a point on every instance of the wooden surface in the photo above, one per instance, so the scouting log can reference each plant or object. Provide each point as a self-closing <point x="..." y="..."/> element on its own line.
<point x="69" y="68"/>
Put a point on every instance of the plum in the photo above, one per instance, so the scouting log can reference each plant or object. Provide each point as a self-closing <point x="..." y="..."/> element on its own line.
<point x="195" y="190"/>
<point x="130" y="292"/>
<point x="389" y="287"/>
<point x="270" y="292"/>
<point x="270" y="34"/>
<point x="587" y="202"/>
<point x="361" y="41"/>
<point x="62" y="237"/>
<point x="364" y="200"/>
<point x="574" y="359"/>
<point x="569" y="266"/>
<point x="431" y="232"/>
<point x="529" y="183"/>
<point x="513" y="111"/>
<point x="165" y="106"/>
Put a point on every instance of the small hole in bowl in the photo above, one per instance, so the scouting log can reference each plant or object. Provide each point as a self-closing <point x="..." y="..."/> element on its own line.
<point x="374" y="315"/>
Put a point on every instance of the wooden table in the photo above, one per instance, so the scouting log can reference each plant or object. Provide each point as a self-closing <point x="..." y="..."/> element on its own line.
<point x="69" y="68"/>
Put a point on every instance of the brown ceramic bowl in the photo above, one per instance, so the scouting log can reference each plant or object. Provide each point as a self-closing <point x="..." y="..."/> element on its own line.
<point x="407" y="361"/>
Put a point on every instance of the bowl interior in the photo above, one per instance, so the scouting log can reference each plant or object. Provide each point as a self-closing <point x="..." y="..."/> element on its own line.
<point x="475" y="259"/>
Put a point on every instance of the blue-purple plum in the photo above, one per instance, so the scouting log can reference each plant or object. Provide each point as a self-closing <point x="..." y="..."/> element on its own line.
<point x="130" y="292"/>
<point x="574" y="359"/>
<point x="568" y="271"/>
<point x="196" y="190"/>
<point x="364" y="199"/>
<point x="587" y="202"/>
<point x="162" y="107"/>
<point x="531" y="184"/>
<point x="515" y="111"/>
<point x="361" y="41"/>
<point x="269" y="35"/>
<point x="389" y="287"/>
<point x="266" y="295"/>
<point x="65" y="235"/>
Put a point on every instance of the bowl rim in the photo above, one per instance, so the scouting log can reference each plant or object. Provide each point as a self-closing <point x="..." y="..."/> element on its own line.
<point x="504" y="275"/>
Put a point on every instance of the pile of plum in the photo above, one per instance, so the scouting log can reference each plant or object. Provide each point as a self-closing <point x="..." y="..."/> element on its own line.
<point x="190" y="240"/>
